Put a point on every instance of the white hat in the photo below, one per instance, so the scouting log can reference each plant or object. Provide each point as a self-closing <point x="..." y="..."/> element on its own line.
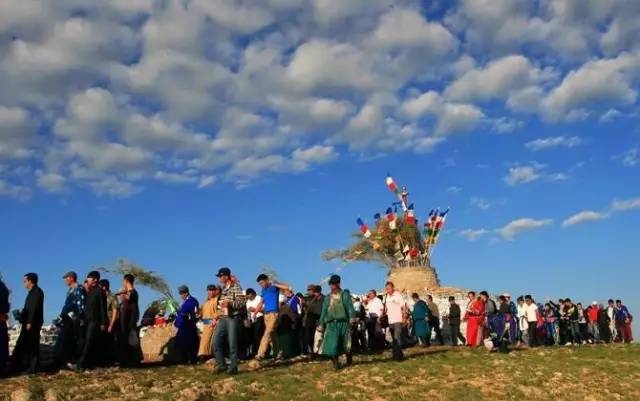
<point x="594" y="303"/>
<point x="506" y="294"/>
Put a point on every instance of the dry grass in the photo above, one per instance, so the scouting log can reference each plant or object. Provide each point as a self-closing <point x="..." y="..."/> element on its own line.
<point x="440" y="373"/>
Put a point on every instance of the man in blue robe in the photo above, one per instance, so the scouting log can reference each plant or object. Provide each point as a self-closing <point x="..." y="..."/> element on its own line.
<point x="186" y="318"/>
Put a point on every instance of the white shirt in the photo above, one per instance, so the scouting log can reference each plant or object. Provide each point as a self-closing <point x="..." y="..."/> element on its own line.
<point x="395" y="303"/>
<point x="374" y="307"/>
<point x="522" y="318"/>
<point x="530" y="312"/>
<point x="254" y="304"/>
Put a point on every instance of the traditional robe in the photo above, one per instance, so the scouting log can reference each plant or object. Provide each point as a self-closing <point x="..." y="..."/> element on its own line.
<point x="209" y="314"/>
<point x="187" y="336"/>
<point x="419" y="316"/>
<point x="475" y="321"/>
<point x="337" y="310"/>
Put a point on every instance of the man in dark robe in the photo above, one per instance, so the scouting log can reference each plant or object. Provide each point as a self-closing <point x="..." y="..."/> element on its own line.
<point x="4" y="334"/>
<point x="31" y="318"/>
<point x="96" y="323"/>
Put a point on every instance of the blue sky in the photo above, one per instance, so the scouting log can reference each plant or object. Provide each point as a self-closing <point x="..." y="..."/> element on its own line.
<point x="186" y="135"/>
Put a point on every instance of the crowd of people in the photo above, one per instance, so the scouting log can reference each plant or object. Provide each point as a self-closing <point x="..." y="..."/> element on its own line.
<point x="100" y="328"/>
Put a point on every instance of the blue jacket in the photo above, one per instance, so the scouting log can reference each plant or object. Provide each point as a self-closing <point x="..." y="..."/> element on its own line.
<point x="74" y="303"/>
<point x="186" y="316"/>
<point x="621" y="314"/>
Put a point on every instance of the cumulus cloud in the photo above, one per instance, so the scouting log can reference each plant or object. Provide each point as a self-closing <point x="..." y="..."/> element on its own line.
<point x="624" y="205"/>
<point x="583" y="217"/>
<point x="522" y="175"/>
<point x="473" y="235"/>
<point x="451" y="117"/>
<point x="553" y="142"/>
<point x="599" y="83"/>
<point x="617" y="206"/>
<point x="515" y="227"/>
<point x="113" y="96"/>
<point x="498" y="80"/>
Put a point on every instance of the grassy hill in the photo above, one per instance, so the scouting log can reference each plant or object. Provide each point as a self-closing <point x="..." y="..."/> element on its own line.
<point x="588" y="373"/>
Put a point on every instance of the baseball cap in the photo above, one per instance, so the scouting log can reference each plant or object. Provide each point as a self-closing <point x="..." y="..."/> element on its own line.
<point x="224" y="271"/>
<point x="71" y="274"/>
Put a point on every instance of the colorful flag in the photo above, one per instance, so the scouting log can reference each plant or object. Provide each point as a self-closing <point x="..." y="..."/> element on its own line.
<point x="409" y="216"/>
<point x="391" y="184"/>
<point x="363" y="228"/>
<point x="393" y="187"/>
<point x="376" y="217"/>
<point x="391" y="218"/>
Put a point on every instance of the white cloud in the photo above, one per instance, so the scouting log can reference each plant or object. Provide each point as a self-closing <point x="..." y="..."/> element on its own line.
<point x="17" y="134"/>
<point x="472" y="234"/>
<point x="112" y="95"/>
<point x="630" y="158"/>
<point x="624" y="205"/>
<point x="451" y="117"/>
<point x="454" y="189"/>
<point x="14" y="190"/>
<point x="600" y="83"/>
<point x="522" y="175"/>
<point x="515" y="227"/>
<point x="584" y="217"/>
<point x="610" y="115"/>
<point x="51" y="182"/>
<point x="114" y="187"/>
<point x="498" y="80"/>
<point x="480" y="203"/>
<point x="408" y="28"/>
<point x="553" y="142"/>
<point x="504" y="125"/>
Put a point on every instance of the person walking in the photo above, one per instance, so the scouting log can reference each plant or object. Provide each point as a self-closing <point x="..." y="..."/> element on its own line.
<point x="593" y="314"/>
<point x="531" y="315"/>
<point x="70" y="322"/>
<point x="231" y="308"/>
<point x="374" y="309"/>
<point x="108" y="336"/>
<point x="256" y="320"/>
<point x="623" y="322"/>
<point x="312" y="309"/>
<point x="611" y="309"/>
<point x="270" y="307"/>
<point x="475" y="318"/>
<point x="208" y="315"/>
<point x="434" y="321"/>
<point x="337" y="314"/>
<point x="454" y="322"/>
<point x="186" y="319"/>
<point x="96" y="323"/>
<point x="4" y="332"/>
<point x="573" y="316"/>
<point x="27" y="349"/>
<point x="130" y="353"/>
<point x="420" y="317"/>
<point x="395" y="308"/>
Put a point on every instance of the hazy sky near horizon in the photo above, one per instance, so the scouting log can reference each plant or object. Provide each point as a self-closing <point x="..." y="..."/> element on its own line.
<point x="186" y="135"/>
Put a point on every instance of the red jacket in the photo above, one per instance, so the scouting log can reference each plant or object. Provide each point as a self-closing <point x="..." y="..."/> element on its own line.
<point x="592" y="313"/>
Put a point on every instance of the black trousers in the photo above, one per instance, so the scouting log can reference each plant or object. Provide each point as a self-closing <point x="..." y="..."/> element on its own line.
<point x="454" y="331"/>
<point x="434" y="324"/>
<point x="533" y="334"/>
<point x="91" y="349"/>
<point x="309" y="334"/>
<point x="374" y="334"/>
<point x="4" y="347"/>
<point x="257" y="329"/>
<point x="26" y="351"/>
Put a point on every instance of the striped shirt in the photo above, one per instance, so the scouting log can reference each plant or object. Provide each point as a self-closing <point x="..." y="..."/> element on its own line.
<point x="236" y="299"/>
